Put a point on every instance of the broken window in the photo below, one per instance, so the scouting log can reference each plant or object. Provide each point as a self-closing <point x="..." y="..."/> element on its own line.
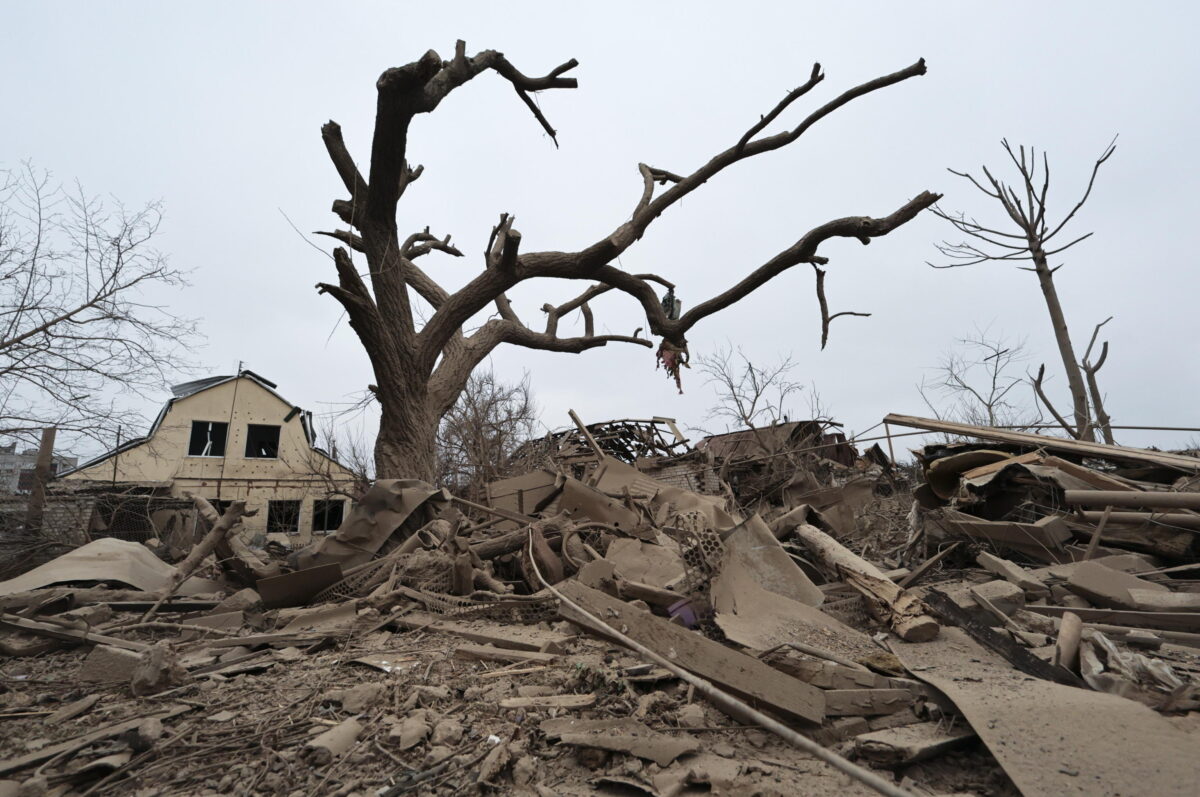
<point x="283" y="517"/>
<point x="262" y="441"/>
<point x="208" y="439"/>
<point x="327" y="515"/>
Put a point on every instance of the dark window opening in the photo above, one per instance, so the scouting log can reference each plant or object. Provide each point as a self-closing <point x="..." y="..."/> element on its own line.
<point x="208" y="439"/>
<point x="283" y="517"/>
<point x="262" y="441"/>
<point x="327" y="515"/>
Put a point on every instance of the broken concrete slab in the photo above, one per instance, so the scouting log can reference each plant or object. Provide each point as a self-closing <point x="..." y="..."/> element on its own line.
<point x="908" y="744"/>
<point x="1106" y="587"/>
<point x="1013" y="573"/>
<point x="107" y="664"/>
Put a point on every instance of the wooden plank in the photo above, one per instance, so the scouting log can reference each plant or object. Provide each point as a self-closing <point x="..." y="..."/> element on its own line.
<point x="550" y="701"/>
<point x="12" y="622"/>
<point x="826" y="674"/>
<point x="1081" y="447"/>
<point x="1101" y="481"/>
<point x="257" y="640"/>
<point x="485" y="653"/>
<point x="1167" y="621"/>
<point x="483" y="633"/>
<point x="743" y="675"/>
<point x="866" y="702"/>
<point x="999" y="643"/>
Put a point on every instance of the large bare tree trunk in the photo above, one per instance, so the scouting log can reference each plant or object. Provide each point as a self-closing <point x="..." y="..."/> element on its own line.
<point x="422" y="355"/>
<point x="406" y="443"/>
<point x="1079" y="396"/>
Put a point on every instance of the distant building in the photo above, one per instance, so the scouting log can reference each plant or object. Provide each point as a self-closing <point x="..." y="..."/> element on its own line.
<point x="230" y="438"/>
<point x="16" y="469"/>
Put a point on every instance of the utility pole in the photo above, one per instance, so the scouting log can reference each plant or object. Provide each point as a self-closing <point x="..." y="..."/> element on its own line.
<point x="41" y="477"/>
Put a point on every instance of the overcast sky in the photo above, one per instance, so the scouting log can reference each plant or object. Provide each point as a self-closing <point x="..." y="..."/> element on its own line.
<point x="216" y="109"/>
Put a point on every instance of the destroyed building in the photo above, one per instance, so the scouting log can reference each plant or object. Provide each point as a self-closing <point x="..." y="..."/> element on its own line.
<point x="229" y="438"/>
<point x="1022" y="621"/>
<point x="16" y="467"/>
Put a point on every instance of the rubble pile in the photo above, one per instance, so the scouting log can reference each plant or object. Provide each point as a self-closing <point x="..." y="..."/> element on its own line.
<point x="634" y="617"/>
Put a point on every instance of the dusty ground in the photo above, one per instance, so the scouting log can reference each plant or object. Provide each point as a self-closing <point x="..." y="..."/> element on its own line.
<point x="245" y="733"/>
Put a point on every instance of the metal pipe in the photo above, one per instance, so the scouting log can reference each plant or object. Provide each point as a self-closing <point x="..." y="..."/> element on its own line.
<point x="1140" y="499"/>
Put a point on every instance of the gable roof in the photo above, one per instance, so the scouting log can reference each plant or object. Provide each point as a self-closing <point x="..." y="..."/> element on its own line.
<point x="188" y="389"/>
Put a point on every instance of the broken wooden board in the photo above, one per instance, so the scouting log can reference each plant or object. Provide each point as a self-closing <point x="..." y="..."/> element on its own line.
<point x="1166" y="621"/>
<point x="825" y="674"/>
<point x="486" y="653"/>
<point x="908" y="744"/>
<point x="513" y="637"/>
<point x="999" y="643"/>
<point x="1051" y="739"/>
<point x="82" y="741"/>
<point x="743" y="675"/>
<point x="550" y="701"/>
<point x="1156" y="601"/>
<point x="1042" y="540"/>
<point x="11" y="622"/>
<point x="866" y="702"/>
<point x="622" y="736"/>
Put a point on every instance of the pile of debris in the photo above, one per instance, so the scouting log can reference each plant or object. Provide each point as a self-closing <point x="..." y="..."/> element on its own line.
<point x="596" y="628"/>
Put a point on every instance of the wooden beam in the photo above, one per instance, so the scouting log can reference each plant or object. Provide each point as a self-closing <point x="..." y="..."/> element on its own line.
<point x="741" y="674"/>
<point x="1081" y="447"/>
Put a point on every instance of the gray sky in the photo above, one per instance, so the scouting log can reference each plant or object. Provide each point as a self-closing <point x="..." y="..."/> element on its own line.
<point x="215" y="108"/>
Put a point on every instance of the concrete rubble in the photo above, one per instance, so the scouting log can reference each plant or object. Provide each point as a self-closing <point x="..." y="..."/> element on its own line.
<point x="774" y="615"/>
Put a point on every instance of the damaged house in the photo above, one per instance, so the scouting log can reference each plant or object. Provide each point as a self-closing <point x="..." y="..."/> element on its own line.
<point x="229" y="438"/>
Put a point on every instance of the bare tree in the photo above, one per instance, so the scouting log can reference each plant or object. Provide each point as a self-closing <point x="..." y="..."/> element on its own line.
<point x="420" y="372"/>
<point x="977" y="383"/>
<point x="749" y="396"/>
<point x="480" y="433"/>
<point x="1035" y="240"/>
<point x="78" y="325"/>
<point x="341" y="461"/>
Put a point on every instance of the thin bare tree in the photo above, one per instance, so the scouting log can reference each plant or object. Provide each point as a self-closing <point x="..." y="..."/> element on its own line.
<point x="749" y="396"/>
<point x="421" y="368"/>
<point x="478" y="436"/>
<point x="79" y="318"/>
<point x="1031" y="238"/>
<point x="977" y="383"/>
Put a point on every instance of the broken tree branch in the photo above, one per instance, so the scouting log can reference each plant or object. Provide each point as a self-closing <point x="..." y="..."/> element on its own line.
<point x="226" y="524"/>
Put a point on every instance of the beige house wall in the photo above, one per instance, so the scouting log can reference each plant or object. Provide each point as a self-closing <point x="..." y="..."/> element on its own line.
<point x="299" y="473"/>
